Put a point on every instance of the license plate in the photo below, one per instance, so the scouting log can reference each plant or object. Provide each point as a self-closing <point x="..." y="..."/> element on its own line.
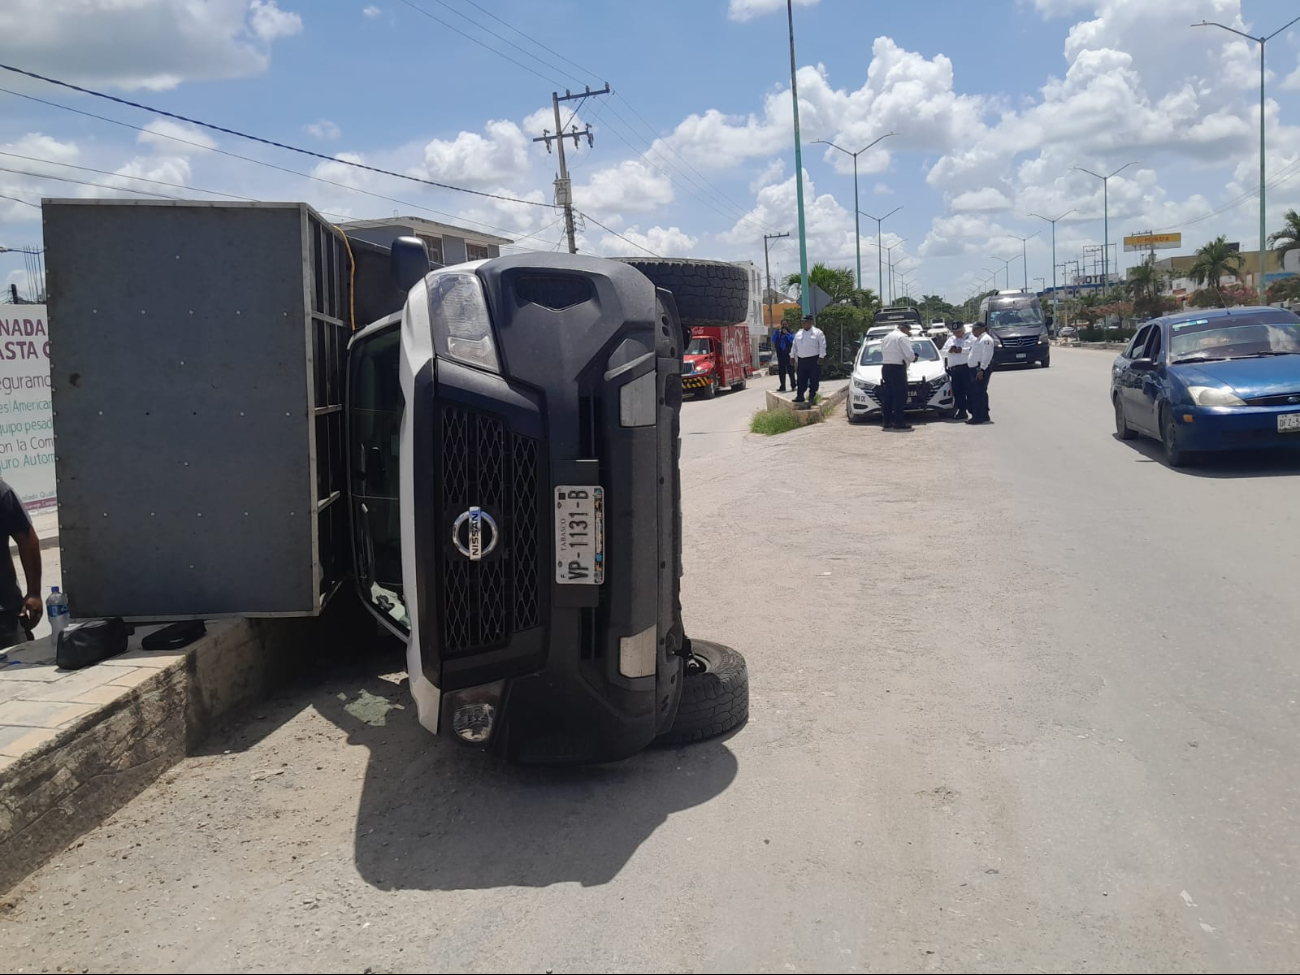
<point x="1022" y="355"/>
<point x="1288" y="423"/>
<point x="579" y="535"/>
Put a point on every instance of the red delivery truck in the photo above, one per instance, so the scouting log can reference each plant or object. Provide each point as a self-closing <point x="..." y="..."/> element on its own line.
<point x="718" y="356"/>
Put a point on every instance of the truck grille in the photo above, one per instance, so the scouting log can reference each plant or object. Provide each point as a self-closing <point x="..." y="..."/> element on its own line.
<point x="482" y="463"/>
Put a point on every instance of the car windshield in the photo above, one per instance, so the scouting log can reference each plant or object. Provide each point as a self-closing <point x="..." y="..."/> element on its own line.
<point x="1234" y="338"/>
<point x="871" y="354"/>
<point x="1015" y="311"/>
<point x="698" y="346"/>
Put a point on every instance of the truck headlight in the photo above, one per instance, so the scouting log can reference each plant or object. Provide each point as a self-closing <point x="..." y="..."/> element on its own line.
<point x="1042" y="339"/>
<point x="863" y="385"/>
<point x="460" y="318"/>
<point x="997" y="341"/>
<point x="1214" y="396"/>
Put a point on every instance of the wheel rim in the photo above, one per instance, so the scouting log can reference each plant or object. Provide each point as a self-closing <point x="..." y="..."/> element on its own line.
<point x="696" y="665"/>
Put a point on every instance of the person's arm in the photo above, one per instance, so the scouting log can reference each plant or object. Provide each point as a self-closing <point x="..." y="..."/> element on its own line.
<point x="821" y="344"/>
<point x="29" y="552"/>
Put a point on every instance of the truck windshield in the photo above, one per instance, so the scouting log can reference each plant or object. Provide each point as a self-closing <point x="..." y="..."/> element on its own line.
<point x="1007" y="312"/>
<point x="699" y="346"/>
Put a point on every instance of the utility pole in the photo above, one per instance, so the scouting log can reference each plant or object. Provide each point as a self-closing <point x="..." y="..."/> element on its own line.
<point x="857" y="230"/>
<point x="1105" y="215"/>
<point x="563" y="187"/>
<point x="805" y="299"/>
<point x="1261" y="41"/>
<point x="880" y="268"/>
<point x="767" y="272"/>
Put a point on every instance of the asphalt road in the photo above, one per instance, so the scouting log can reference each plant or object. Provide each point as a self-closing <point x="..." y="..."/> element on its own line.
<point x="1024" y="699"/>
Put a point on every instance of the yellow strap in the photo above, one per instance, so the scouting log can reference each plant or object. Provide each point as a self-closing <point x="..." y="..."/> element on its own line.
<point x="352" y="282"/>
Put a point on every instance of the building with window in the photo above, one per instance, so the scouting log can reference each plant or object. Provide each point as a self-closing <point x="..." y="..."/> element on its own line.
<point x="447" y="244"/>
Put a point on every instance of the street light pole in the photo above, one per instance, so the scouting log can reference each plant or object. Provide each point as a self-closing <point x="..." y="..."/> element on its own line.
<point x="857" y="229"/>
<point x="767" y="272"/>
<point x="1006" y="267"/>
<point x="889" y="253"/>
<point x="1105" y="212"/>
<point x="804" y="297"/>
<point x="1024" y="258"/>
<point x="880" y="270"/>
<point x="1052" y="221"/>
<point x="1261" y="40"/>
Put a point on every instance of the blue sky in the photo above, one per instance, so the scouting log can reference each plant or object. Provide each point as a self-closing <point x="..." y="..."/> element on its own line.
<point x="993" y="104"/>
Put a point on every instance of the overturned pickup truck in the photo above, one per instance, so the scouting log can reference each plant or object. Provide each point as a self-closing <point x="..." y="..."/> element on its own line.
<point x="490" y="452"/>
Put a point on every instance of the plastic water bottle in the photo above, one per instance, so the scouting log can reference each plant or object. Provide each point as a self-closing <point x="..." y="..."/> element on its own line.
<point x="56" y="608"/>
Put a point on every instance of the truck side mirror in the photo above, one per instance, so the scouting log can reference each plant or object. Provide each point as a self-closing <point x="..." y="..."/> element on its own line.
<point x="409" y="262"/>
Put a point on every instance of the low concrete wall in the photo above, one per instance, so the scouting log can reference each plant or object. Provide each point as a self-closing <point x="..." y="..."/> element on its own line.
<point x="74" y="781"/>
<point x="830" y="401"/>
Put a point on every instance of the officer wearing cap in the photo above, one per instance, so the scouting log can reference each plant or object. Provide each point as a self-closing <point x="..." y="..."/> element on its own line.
<point x="809" y="350"/>
<point x="956" y="356"/>
<point x="980" y="365"/>
<point x="896" y="351"/>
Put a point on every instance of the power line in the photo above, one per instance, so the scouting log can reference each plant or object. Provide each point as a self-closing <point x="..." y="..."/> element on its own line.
<point x="504" y="40"/>
<point x="141" y="179"/>
<point x="588" y="216"/>
<point x="548" y="50"/>
<point x="256" y="162"/>
<point x="82" y="182"/>
<point x="432" y="16"/>
<point x="268" y="142"/>
<point x="6" y="196"/>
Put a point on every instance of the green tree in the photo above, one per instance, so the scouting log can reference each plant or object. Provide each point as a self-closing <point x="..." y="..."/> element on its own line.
<point x="1213" y="261"/>
<point x="1089" y="307"/>
<point x="934" y="307"/>
<point x="1288" y="238"/>
<point x="1144" y="285"/>
<point x="838" y="282"/>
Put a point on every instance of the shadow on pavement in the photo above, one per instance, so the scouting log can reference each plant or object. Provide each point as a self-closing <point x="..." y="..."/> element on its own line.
<point x="1232" y="464"/>
<point x="435" y="815"/>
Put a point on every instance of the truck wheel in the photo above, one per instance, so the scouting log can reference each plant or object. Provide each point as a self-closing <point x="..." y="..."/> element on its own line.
<point x="715" y="694"/>
<point x="737" y="387"/>
<point x="707" y="292"/>
<point x="711" y="390"/>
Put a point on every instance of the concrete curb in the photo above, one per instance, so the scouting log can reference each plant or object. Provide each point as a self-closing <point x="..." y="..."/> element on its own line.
<point x="775" y="401"/>
<point x="71" y="783"/>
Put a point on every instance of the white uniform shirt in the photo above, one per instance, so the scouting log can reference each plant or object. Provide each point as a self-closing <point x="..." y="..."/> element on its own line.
<point x="981" y="352"/>
<point x="956" y="351"/>
<point x="896" y="349"/>
<point x="809" y="342"/>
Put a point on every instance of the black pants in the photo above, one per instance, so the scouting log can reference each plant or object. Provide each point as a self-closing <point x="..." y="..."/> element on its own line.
<point x="979" y="395"/>
<point x="961" y="377"/>
<point x="785" y="367"/>
<point x="893" y="398"/>
<point x="11" y="630"/>
<point x="810" y="376"/>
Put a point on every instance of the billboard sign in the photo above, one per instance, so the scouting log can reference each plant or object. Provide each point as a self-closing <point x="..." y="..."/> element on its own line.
<point x="26" y="419"/>
<point x="1149" y="242"/>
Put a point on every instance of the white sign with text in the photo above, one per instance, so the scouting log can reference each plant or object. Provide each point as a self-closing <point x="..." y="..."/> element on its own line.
<point x="26" y="419"/>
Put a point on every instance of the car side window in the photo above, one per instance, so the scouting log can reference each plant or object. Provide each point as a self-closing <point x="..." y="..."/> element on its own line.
<point x="1139" y="342"/>
<point x="1153" y="344"/>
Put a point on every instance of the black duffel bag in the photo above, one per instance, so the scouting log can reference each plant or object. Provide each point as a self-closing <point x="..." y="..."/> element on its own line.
<point x="90" y="641"/>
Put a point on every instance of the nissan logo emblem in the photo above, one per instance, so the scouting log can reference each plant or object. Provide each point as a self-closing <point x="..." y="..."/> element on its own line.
<point x="474" y="547"/>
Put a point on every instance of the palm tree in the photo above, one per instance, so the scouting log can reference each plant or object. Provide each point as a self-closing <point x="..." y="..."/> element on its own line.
<point x="1213" y="261"/>
<point x="1143" y="284"/>
<point x="837" y="282"/>
<point x="1089" y="307"/>
<point x="1288" y="238"/>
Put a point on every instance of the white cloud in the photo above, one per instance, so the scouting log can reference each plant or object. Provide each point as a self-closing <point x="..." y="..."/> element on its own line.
<point x="1292" y="81"/>
<point x="269" y="21"/>
<point x="773" y="171"/>
<point x="882" y="189"/>
<point x="500" y="155"/>
<point x="631" y="185"/>
<point x="153" y="44"/>
<point x="742" y="10"/>
<point x="664" y="241"/>
<point x="988" y="198"/>
<point x="372" y="11"/>
<point x="164" y="134"/>
<point x="325" y="130"/>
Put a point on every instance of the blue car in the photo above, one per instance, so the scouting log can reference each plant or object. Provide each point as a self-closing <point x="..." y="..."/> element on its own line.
<point x="1227" y="379"/>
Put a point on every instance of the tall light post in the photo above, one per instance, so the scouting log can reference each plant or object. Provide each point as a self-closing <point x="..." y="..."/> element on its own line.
<point x="805" y="299"/>
<point x="1006" y="266"/>
<point x="767" y="272"/>
<point x="880" y="270"/>
<point x="889" y="252"/>
<point x="1105" y="214"/>
<point x="1261" y="41"/>
<point x="1024" y="257"/>
<point x="1052" y="221"/>
<point x="857" y="229"/>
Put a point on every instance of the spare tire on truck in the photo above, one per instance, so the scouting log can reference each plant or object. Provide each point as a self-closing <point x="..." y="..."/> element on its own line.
<point x="707" y="292"/>
<point x="715" y="694"/>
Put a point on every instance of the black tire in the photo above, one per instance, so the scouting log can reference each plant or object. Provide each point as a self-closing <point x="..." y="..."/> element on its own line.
<point x="715" y="695"/>
<point x="1122" y="429"/>
<point x="709" y="391"/>
<point x="1175" y="456"/>
<point x="1046" y="361"/>
<point x="737" y="387"/>
<point x="707" y="292"/>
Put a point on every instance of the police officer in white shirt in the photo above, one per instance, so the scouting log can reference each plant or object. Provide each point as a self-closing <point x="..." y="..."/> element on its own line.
<point x="981" y="366"/>
<point x="896" y="351"/>
<point x="956" y="353"/>
<point x="809" y="350"/>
